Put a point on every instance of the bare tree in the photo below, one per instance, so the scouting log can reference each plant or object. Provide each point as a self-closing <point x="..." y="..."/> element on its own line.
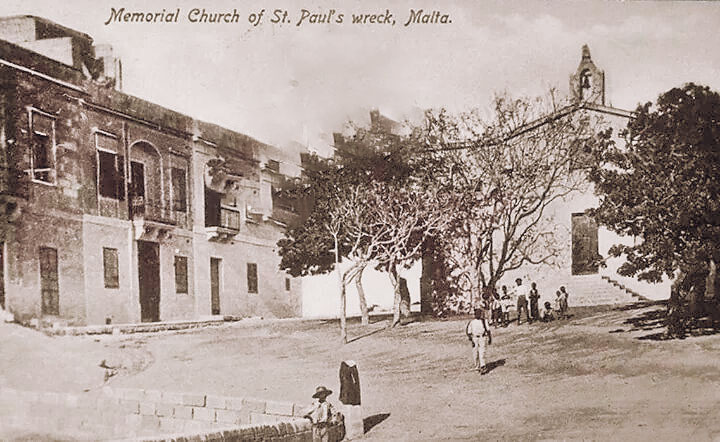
<point x="508" y="169"/>
<point x="399" y="217"/>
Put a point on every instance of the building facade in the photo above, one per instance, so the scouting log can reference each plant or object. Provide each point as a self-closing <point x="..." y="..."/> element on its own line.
<point x="117" y="210"/>
<point x="584" y="266"/>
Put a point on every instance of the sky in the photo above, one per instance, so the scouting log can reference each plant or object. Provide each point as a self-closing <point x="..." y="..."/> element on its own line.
<point x="283" y="83"/>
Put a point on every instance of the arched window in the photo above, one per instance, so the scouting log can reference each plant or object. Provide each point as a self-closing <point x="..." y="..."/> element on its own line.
<point x="585" y="84"/>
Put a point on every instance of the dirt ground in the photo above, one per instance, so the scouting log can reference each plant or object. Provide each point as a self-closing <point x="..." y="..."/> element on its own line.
<point x="601" y="375"/>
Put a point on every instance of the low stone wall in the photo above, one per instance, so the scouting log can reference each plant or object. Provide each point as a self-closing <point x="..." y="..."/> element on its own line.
<point x="149" y="327"/>
<point x="150" y="415"/>
<point x="180" y="410"/>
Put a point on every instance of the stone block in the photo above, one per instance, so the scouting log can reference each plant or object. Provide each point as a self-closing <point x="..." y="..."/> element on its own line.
<point x="195" y="400"/>
<point x="299" y="410"/>
<point x="147" y="408"/>
<point x="234" y="403"/>
<point x="182" y="412"/>
<point x="204" y="414"/>
<point x="213" y="401"/>
<point x="281" y="408"/>
<point x="165" y="410"/>
<point x="149" y="422"/>
<point x="230" y="416"/>
<point x="133" y="421"/>
<point x="254" y="405"/>
<point x="170" y="425"/>
<point x="262" y="418"/>
<point x="194" y="426"/>
<point x="172" y="398"/>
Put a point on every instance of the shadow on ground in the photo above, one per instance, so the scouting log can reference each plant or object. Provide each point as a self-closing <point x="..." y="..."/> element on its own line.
<point x="366" y="335"/>
<point x="490" y="366"/>
<point x="655" y="320"/>
<point x="370" y="421"/>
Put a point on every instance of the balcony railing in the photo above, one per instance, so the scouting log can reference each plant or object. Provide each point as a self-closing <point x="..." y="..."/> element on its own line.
<point x="142" y="209"/>
<point x="229" y="218"/>
<point x="223" y="225"/>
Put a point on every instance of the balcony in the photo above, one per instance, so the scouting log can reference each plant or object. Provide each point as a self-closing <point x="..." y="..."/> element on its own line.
<point x="153" y="222"/>
<point x="224" y="225"/>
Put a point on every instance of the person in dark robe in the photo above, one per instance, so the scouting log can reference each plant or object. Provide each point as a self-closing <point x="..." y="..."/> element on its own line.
<point x="350" y="398"/>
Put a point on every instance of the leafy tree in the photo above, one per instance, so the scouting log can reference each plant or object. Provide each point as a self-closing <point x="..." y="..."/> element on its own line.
<point x="337" y="225"/>
<point x="662" y="187"/>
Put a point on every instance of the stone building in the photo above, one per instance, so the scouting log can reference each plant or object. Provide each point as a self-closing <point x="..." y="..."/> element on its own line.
<point x="584" y="242"/>
<point x="117" y="210"/>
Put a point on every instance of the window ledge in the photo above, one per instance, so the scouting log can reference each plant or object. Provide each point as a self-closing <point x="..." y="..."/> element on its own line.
<point x="45" y="183"/>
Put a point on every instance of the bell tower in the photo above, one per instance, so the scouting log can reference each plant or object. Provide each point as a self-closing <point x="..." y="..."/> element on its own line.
<point x="587" y="84"/>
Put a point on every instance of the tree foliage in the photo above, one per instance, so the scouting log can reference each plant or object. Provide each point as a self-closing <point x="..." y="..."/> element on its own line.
<point x="342" y="195"/>
<point x="662" y="185"/>
<point x="662" y="188"/>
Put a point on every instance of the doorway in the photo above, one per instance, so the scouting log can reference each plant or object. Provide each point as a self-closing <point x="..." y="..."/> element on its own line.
<point x="215" y="285"/>
<point x="149" y="280"/>
<point x="584" y="245"/>
<point x="49" y="286"/>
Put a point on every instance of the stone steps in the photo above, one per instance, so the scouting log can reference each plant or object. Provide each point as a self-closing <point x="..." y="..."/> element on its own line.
<point x="598" y="290"/>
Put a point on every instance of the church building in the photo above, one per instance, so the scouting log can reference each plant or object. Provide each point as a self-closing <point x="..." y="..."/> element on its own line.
<point x="585" y="243"/>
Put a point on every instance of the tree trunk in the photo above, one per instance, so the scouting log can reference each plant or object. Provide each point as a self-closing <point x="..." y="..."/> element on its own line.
<point x="696" y="295"/>
<point x="396" y="289"/>
<point x="427" y="277"/>
<point x="343" y="296"/>
<point x="343" y="321"/>
<point x="364" y="315"/>
<point x="404" y="298"/>
<point x="710" y="283"/>
<point x="675" y="320"/>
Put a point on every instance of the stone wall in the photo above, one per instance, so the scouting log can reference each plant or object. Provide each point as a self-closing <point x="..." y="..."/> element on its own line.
<point x="150" y="415"/>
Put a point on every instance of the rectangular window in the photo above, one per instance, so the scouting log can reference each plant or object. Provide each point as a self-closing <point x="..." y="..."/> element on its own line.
<point x="110" y="268"/>
<point x="273" y="165"/>
<point x="287" y="284"/>
<point x="179" y="189"/>
<point x="252" y="277"/>
<point x="111" y="167"/>
<point x="181" y="274"/>
<point x="42" y="147"/>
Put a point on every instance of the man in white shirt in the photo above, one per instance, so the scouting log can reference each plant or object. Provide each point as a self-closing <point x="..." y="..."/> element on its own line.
<point x="476" y="331"/>
<point x="522" y="292"/>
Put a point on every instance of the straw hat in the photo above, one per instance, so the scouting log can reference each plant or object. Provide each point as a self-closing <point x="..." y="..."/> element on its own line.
<point x="321" y="391"/>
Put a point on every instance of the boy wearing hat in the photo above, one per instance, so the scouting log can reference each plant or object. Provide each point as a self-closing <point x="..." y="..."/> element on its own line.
<point x="321" y="415"/>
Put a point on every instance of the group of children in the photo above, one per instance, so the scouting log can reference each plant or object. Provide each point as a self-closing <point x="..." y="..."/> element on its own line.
<point x="527" y="300"/>
<point x="495" y="310"/>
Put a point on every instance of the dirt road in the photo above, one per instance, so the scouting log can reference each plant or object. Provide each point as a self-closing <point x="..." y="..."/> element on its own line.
<point x="591" y="377"/>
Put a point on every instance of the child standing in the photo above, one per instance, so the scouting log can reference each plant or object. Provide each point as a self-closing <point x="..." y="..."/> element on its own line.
<point x="496" y="308"/>
<point x="558" y="303"/>
<point x="534" y="298"/>
<point x="507" y="304"/>
<point x="564" y="301"/>
<point x="547" y="312"/>
<point x="476" y="330"/>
